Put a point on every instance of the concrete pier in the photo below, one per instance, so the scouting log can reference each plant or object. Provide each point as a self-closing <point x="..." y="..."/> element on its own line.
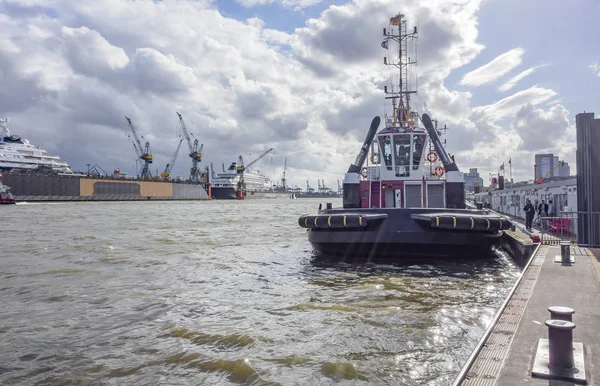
<point x="507" y="353"/>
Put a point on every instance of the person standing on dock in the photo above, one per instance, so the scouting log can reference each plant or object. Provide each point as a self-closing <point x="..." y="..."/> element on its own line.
<point x="529" y="213"/>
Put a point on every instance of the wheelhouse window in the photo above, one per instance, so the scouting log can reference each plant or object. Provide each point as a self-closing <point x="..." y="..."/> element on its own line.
<point x="375" y="155"/>
<point x="385" y="145"/>
<point x="402" y="152"/>
<point x="418" y="145"/>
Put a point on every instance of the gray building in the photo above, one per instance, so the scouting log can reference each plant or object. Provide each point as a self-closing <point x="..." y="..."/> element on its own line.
<point x="472" y="180"/>
<point x="588" y="180"/>
<point x="563" y="171"/>
<point x="544" y="164"/>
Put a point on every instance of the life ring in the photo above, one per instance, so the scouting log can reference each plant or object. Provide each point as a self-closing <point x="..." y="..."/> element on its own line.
<point x="432" y="156"/>
<point x="439" y="171"/>
<point x="364" y="172"/>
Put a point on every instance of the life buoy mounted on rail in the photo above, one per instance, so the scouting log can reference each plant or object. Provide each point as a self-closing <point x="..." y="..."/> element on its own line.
<point x="439" y="171"/>
<point x="364" y="172"/>
<point x="432" y="156"/>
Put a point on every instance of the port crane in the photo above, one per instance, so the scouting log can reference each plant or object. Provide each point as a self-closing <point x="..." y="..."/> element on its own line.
<point x="144" y="155"/>
<point x="560" y="163"/>
<point x="240" y="168"/>
<point x="283" y="179"/>
<point x="195" y="152"/>
<point x="167" y="173"/>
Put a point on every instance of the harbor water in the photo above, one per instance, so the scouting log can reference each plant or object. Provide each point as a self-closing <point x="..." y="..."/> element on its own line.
<point x="223" y="293"/>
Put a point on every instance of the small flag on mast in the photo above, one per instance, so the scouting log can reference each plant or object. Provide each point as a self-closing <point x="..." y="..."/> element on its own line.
<point x="502" y="166"/>
<point x="384" y="44"/>
<point x="395" y="20"/>
<point x="510" y="161"/>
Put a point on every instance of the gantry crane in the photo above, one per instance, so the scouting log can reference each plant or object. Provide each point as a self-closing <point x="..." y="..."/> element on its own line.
<point x="167" y="173"/>
<point x="283" y="179"/>
<point x="195" y="153"/>
<point x="145" y="155"/>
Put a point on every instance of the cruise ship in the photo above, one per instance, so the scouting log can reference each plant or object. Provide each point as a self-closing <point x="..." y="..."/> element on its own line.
<point x="18" y="153"/>
<point x="241" y="181"/>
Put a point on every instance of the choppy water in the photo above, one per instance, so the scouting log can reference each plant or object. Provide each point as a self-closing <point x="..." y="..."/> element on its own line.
<point x="223" y="293"/>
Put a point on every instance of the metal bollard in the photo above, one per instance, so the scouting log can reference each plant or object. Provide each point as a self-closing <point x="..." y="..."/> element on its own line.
<point x="320" y="206"/>
<point x="560" y="343"/>
<point x="561" y="313"/>
<point x="565" y="251"/>
<point x="329" y="205"/>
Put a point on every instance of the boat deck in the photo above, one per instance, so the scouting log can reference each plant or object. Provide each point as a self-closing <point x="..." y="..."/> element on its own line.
<point x="509" y="351"/>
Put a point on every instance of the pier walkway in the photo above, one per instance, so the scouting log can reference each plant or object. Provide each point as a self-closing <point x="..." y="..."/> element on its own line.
<point x="507" y="354"/>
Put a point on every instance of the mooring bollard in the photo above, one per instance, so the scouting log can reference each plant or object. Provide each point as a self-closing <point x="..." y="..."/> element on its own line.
<point x="329" y="205"/>
<point x="561" y="313"/>
<point x="565" y="251"/>
<point x="560" y="343"/>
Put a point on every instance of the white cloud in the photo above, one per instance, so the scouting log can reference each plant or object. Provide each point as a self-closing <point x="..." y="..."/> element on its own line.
<point x="512" y="82"/>
<point x="595" y="67"/>
<point x="495" y="69"/>
<point x="294" y="4"/>
<point x="68" y="80"/>
<point x="509" y="106"/>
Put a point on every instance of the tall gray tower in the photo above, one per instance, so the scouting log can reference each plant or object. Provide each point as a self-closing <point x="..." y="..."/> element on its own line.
<point x="588" y="180"/>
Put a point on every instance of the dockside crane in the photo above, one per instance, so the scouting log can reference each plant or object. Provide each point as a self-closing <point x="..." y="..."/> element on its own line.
<point x="195" y="152"/>
<point x="167" y="173"/>
<point x="560" y="163"/>
<point x="240" y="168"/>
<point x="283" y="179"/>
<point x="144" y="155"/>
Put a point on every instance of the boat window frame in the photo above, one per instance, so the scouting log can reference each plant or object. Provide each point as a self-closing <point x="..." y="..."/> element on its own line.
<point x="396" y="152"/>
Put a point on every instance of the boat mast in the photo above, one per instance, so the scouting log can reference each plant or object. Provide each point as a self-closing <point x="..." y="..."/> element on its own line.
<point x="401" y="114"/>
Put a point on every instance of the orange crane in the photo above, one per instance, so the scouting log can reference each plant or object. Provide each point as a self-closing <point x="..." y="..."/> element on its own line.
<point x="560" y="163"/>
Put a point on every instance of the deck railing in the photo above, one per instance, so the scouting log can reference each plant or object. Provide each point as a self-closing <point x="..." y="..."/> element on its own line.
<point x="582" y="228"/>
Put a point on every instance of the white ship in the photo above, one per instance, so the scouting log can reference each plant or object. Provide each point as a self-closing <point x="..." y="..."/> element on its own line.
<point x="241" y="181"/>
<point x="17" y="153"/>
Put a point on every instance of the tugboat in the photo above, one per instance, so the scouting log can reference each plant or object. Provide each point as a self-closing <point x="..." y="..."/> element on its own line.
<point x="6" y="198"/>
<point x="406" y="202"/>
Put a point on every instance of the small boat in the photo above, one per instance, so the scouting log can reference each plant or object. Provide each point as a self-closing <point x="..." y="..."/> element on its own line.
<point x="6" y="198"/>
<point x="408" y="200"/>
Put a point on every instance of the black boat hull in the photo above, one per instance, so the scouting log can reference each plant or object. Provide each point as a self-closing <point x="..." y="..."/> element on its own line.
<point x="221" y="193"/>
<point x="395" y="234"/>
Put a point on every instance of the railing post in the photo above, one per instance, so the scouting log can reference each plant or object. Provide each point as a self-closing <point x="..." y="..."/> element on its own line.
<point x="565" y="251"/>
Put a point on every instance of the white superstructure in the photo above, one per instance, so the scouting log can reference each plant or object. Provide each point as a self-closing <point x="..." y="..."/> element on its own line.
<point x="18" y="153"/>
<point x="253" y="179"/>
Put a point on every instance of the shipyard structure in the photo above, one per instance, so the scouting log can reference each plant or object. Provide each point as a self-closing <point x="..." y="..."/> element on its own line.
<point x="37" y="186"/>
<point x="32" y="174"/>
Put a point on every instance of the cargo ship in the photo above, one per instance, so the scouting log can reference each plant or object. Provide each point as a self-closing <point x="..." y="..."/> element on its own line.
<point x="34" y="175"/>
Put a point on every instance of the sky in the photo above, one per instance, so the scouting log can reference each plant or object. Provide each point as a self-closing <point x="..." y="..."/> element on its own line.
<point x="305" y="77"/>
